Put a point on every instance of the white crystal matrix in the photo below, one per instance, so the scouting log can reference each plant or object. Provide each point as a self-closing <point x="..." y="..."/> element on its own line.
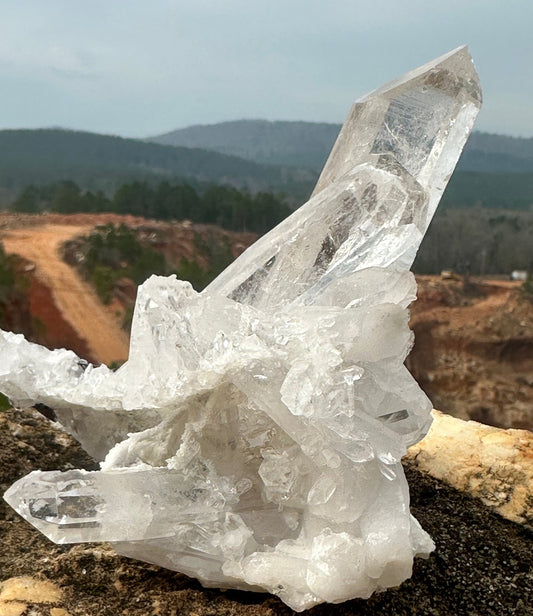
<point x="253" y="438"/>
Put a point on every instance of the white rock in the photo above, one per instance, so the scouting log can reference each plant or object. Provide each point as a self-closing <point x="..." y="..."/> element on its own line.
<point x="490" y="463"/>
<point x="253" y="439"/>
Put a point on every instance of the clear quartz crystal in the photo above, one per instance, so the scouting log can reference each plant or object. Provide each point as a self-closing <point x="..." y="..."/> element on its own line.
<point x="253" y="439"/>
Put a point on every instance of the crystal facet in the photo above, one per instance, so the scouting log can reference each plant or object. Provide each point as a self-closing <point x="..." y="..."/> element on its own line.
<point x="253" y="439"/>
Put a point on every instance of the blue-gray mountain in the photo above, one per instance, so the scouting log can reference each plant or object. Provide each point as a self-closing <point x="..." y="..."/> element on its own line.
<point x="308" y="144"/>
<point x="104" y="162"/>
<point x="304" y="144"/>
<point x="282" y="157"/>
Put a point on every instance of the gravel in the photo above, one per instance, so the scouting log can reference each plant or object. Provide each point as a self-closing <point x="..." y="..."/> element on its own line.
<point x="483" y="564"/>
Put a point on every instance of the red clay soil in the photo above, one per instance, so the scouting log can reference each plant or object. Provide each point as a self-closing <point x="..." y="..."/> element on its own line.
<point x="473" y="352"/>
<point x="52" y="330"/>
<point x="75" y="299"/>
<point x="66" y="306"/>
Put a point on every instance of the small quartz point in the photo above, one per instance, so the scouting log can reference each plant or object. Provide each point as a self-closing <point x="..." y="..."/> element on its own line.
<point x="253" y="439"/>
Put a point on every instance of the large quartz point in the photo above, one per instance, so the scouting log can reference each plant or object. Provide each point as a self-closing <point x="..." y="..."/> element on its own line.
<point x="253" y="438"/>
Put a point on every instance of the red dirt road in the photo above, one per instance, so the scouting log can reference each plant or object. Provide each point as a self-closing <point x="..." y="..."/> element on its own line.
<point x="75" y="299"/>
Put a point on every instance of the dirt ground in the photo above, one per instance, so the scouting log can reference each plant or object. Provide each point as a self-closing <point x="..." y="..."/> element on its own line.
<point x="483" y="565"/>
<point x="473" y="352"/>
<point x="75" y="299"/>
<point x="68" y="307"/>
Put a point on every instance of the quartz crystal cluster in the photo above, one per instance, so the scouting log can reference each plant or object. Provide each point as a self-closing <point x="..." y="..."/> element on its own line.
<point x="253" y="438"/>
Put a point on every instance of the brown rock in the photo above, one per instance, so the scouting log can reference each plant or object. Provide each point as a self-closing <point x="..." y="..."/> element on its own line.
<point x="13" y="608"/>
<point x="32" y="590"/>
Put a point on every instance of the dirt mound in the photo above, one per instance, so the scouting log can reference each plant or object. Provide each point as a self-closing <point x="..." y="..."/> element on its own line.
<point x="473" y="352"/>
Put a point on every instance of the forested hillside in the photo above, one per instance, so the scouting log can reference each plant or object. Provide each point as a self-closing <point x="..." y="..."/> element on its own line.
<point x="309" y="143"/>
<point x="491" y="153"/>
<point x="510" y="191"/>
<point x="103" y="162"/>
<point x="305" y="144"/>
<point x="494" y="172"/>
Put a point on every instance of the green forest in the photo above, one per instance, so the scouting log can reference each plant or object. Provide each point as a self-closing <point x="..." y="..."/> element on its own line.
<point x="111" y="252"/>
<point x="224" y="206"/>
<point x="105" y="162"/>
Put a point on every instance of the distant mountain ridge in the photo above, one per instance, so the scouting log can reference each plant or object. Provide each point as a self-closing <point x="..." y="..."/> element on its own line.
<point x="305" y="144"/>
<point x="487" y="152"/>
<point x="103" y="162"/>
<point x="309" y="143"/>
<point x="494" y="172"/>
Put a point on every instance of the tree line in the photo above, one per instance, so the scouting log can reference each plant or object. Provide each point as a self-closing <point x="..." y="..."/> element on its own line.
<point x="473" y="240"/>
<point x="224" y="206"/>
<point x="478" y="242"/>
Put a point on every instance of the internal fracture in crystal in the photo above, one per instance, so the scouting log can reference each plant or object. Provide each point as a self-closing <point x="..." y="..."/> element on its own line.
<point x="253" y="438"/>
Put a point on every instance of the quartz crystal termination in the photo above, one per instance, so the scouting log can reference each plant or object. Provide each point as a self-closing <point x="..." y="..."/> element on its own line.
<point x="253" y="438"/>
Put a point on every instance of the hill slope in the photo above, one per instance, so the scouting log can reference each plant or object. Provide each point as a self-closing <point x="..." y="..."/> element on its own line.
<point x="492" y="153"/>
<point x="304" y="144"/>
<point x="309" y="143"/>
<point x="494" y="171"/>
<point x="496" y="190"/>
<point x="75" y="299"/>
<point x="104" y="162"/>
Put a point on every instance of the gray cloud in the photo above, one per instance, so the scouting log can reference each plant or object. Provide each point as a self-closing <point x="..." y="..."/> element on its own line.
<point x="137" y="68"/>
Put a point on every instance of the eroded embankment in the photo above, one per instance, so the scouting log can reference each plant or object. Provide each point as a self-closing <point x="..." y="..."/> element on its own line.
<point x="73" y="299"/>
<point x="473" y="352"/>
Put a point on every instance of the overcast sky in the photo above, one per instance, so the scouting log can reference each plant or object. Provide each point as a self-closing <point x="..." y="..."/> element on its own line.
<point x="143" y="67"/>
